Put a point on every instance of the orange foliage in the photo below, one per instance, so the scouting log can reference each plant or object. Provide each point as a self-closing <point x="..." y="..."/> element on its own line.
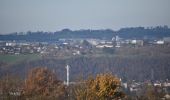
<point x="42" y="82"/>
<point x="103" y="87"/>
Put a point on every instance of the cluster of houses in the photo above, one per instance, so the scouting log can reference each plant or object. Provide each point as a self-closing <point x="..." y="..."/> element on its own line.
<point x="8" y="47"/>
<point x="118" y="42"/>
<point x="59" y="47"/>
<point x="135" y="87"/>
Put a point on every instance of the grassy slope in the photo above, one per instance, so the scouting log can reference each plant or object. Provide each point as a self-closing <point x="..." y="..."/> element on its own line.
<point x="18" y="58"/>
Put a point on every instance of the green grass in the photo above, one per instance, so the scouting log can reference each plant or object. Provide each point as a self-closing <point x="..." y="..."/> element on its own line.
<point x="18" y="58"/>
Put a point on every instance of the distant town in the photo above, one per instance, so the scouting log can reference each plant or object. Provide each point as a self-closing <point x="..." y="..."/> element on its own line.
<point x="74" y="46"/>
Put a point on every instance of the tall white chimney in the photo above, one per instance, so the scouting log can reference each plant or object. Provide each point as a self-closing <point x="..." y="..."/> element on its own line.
<point x="67" y="68"/>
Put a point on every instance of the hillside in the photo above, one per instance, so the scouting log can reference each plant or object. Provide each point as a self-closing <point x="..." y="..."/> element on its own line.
<point x="138" y="63"/>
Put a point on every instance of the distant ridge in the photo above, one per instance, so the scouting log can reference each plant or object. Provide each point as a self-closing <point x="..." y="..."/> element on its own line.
<point x="132" y="32"/>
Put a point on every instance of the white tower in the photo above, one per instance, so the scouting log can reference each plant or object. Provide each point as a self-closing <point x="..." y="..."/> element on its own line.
<point x="67" y="68"/>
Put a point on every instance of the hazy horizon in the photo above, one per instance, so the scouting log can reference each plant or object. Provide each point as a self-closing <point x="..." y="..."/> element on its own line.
<point x="55" y="15"/>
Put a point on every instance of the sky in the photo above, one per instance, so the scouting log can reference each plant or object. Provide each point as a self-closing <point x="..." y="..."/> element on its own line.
<point x="55" y="15"/>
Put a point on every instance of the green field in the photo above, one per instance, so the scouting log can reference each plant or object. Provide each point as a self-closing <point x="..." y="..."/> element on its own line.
<point x="18" y="58"/>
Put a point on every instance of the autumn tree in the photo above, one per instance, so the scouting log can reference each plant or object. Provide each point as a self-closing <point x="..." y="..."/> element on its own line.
<point x="10" y="87"/>
<point x="43" y="84"/>
<point x="103" y="87"/>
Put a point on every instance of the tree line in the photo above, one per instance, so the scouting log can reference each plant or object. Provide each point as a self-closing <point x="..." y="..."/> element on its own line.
<point x="129" y="32"/>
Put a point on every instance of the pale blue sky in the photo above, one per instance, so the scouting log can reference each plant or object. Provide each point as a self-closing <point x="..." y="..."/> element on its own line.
<point x="54" y="15"/>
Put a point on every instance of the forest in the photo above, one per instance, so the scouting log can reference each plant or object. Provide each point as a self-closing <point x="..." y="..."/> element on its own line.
<point x="129" y="63"/>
